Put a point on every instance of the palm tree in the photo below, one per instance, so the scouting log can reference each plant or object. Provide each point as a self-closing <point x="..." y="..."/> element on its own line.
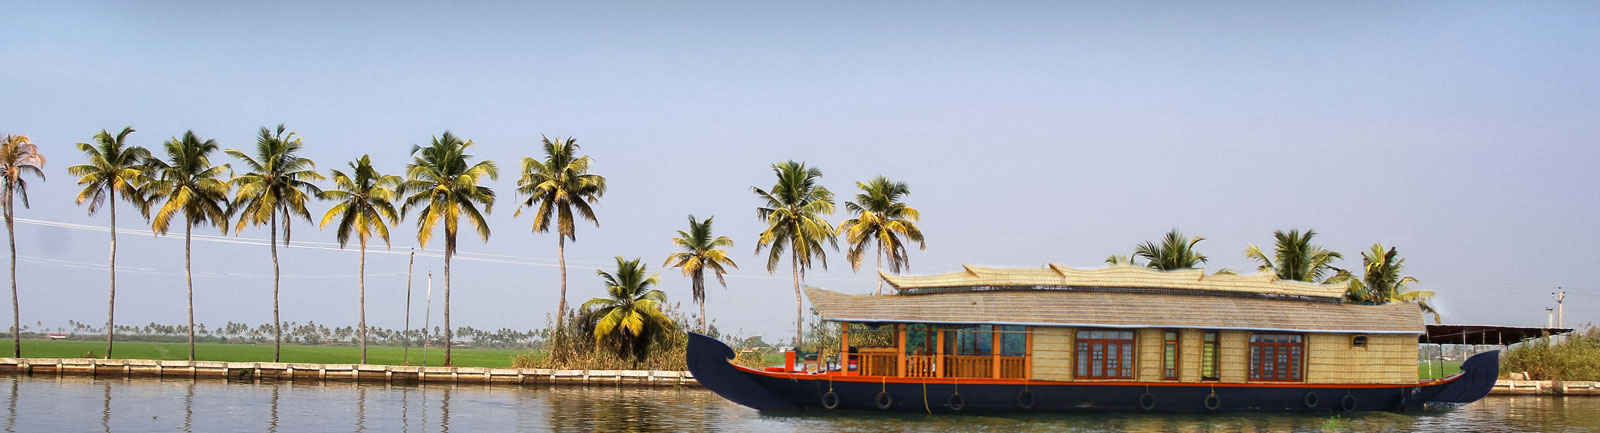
<point x="793" y="211"/>
<point x="560" y="185"/>
<point x="364" y="202"/>
<point x="1296" y="258"/>
<point x="1174" y="252"/>
<point x="442" y="183"/>
<point x="18" y="156"/>
<point x="114" y="167"/>
<point x="1121" y="260"/>
<point x="188" y="184"/>
<point x="701" y="251"/>
<point x="631" y="314"/>
<point x="1382" y="281"/>
<point x="881" y="221"/>
<point x="278" y="183"/>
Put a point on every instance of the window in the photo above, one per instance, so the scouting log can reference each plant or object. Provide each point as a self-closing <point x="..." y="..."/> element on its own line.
<point x="1104" y="354"/>
<point x="1013" y="341"/>
<point x="1209" y="348"/>
<point x="1169" y="355"/>
<point x="972" y="340"/>
<point x="1358" y="341"/>
<point x="1275" y="357"/>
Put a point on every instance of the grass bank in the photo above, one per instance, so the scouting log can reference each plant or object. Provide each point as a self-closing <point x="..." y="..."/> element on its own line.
<point x="390" y="355"/>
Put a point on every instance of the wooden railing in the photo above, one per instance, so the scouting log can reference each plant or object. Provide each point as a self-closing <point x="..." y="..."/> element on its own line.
<point x="878" y="364"/>
<point x="921" y="366"/>
<point x="969" y="366"/>
<point x="1013" y="367"/>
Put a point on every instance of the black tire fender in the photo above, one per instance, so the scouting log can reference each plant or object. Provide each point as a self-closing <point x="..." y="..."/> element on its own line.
<point x="1213" y="402"/>
<point x="1348" y="403"/>
<point x="956" y="402"/>
<point x="1025" y="399"/>
<point x="830" y="400"/>
<point x="1147" y="401"/>
<point x="884" y="401"/>
<point x="1311" y="399"/>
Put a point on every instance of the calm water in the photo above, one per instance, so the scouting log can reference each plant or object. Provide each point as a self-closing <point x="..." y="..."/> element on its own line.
<point x="48" y="404"/>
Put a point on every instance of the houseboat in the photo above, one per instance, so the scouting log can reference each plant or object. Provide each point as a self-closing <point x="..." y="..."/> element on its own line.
<point x="1114" y="339"/>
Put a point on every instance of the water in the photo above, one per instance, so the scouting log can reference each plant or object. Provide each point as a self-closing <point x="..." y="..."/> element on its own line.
<point x="49" y="403"/>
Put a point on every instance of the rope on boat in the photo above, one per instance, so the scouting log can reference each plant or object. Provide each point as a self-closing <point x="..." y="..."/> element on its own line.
<point x="925" y="396"/>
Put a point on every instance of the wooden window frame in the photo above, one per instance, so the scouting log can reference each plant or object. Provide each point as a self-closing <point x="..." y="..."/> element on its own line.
<point x="1171" y="339"/>
<point x="1360" y="341"/>
<point x="1126" y="355"/>
<point x="1214" y="357"/>
<point x="1268" y="359"/>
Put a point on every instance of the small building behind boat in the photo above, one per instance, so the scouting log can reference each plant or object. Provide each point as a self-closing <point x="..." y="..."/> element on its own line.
<point x="1122" y="324"/>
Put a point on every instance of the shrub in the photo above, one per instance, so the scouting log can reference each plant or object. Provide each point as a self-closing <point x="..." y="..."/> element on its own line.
<point x="1575" y="357"/>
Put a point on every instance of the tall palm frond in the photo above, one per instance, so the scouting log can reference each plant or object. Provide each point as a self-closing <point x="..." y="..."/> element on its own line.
<point x="277" y="185"/>
<point x="1294" y="257"/>
<point x="793" y="210"/>
<point x="631" y="314"/>
<point x="883" y="222"/>
<point x="186" y="184"/>
<point x="557" y="187"/>
<point x="701" y="250"/>
<point x="113" y="168"/>
<point x="1382" y="281"/>
<point x="446" y="187"/>
<point x="18" y="156"/>
<point x="364" y="207"/>
<point x="1174" y="252"/>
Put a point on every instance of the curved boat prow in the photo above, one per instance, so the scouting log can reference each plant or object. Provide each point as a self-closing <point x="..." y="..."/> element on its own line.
<point x="1478" y="375"/>
<point x="708" y="361"/>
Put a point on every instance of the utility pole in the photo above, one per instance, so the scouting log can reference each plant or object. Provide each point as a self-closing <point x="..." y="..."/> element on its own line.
<point x="427" y="312"/>
<point x="1560" y="296"/>
<point x="1550" y="322"/>
<point x="405" y="336"/>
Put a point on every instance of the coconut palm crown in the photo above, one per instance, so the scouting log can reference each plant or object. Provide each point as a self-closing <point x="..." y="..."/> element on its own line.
<point x="113" y="168"/>
<point x="1382" y="281"/>
<point x="18" y="156"/>
<point x="793" y="210"/>
<point x="1294" y="257"/>
<point x="557" y="187"/>
<point x="883" y="223"/>
<point x="446" y="189"/>
<point x="186" y="183"/>
<point x="701" y="251"/>
<point x="630" y="315"/>
<point x="1175" y="252"/>
<point x="364" y="207"/>
<point x="273" y="192"/>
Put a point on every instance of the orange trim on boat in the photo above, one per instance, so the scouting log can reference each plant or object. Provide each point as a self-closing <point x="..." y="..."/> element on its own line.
<point x="1030" y="382"/>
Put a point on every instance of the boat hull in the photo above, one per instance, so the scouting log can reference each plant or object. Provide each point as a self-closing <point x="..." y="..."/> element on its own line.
<point x="708" y="361"/>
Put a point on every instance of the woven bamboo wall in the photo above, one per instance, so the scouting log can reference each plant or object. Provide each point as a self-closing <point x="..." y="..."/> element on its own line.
<point x="1388" y="358"/>
<point x="1149" y="362"/>
<point x="1189" y="351"/>
<point x="1052" y="353"/>
<point x="1235" y="356"/>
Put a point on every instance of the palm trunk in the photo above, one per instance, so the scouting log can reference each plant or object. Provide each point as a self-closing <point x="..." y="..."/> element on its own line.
<point x="799" y="311"/>
<point x="188" y="277"/>
<point x="700" y="292"/>
<point x="16" y="312"/>
<point x="561" y="258"/>
<point x="880" y="269"/>
<point x="361" y="282"/>
<point x="449" y="251"/>
<point x="277" y="326"/>
<point x="111" y="310"/>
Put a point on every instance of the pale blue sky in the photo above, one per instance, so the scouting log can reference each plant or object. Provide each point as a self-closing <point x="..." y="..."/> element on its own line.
<point x="1465" y="133"/>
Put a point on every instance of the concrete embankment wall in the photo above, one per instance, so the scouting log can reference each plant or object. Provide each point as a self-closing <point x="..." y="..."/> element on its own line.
<point x="252" y="371"/>
<point x="1544" y="387"/>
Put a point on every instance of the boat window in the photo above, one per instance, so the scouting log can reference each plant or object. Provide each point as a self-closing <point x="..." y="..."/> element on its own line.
<point x="920" y="340"/>
<point x="1169" y="355"/>
<point x="1013" y="341"/>
<point x="1276" y="357"/>
<point x="973" y="340"/>
<point x="1358" y="341"/>
<point x="1104" y="354"/>
<point x="1210" y="351"/>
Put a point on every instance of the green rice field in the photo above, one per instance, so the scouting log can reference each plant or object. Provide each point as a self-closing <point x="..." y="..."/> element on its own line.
<point x="390" y="355"/>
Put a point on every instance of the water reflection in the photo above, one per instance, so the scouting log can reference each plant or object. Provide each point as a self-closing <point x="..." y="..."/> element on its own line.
<point x="51" y="404"/>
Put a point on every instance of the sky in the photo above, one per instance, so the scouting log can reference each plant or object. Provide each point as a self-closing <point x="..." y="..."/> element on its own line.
<point x="1466" y="134"/>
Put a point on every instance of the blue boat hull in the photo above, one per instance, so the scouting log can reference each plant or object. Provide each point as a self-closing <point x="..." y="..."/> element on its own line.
<point x="708" y="361"/>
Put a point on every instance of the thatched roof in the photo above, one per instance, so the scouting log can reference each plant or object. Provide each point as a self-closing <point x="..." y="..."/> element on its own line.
<point x="1119" y="310"/>
<point x="1115" y="277"/>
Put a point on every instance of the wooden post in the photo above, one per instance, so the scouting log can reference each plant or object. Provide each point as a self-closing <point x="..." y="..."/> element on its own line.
<point x="900" y="349"/>
<point x="994" y="351"/>
<point x="1027" y="351"/>
<point x="844" y="352"/>
<point x="938" y="352"/>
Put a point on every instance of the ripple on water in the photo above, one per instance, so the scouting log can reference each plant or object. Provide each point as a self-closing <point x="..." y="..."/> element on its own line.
<point x="48" y="403"/>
